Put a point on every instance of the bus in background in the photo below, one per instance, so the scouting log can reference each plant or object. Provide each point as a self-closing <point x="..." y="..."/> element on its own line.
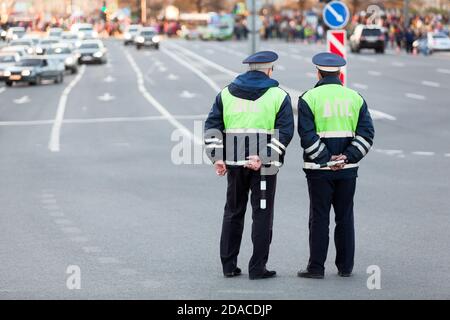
<point x="206" y="26"/>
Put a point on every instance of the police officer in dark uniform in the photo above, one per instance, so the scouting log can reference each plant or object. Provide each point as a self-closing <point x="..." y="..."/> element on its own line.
<point x="335" y="127"/>
<point x="247" y="132"/>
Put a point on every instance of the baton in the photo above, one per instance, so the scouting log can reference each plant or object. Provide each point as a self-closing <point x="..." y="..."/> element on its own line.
<point x="329" y="164"/>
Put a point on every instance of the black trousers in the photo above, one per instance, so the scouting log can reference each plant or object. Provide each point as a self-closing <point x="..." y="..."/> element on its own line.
<point x="240" y="182"/>
<point x="323" y="194"/>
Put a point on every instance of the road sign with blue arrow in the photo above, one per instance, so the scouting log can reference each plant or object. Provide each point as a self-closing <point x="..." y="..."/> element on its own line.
<point x="336" y="15"/>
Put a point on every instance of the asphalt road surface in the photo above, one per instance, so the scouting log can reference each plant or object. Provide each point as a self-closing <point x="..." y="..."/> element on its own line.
<point x="90" y="177"/>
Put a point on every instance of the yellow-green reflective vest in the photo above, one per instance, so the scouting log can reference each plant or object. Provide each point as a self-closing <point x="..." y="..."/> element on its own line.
<point x="246" y="114"/>
<point x="335" y="109"/>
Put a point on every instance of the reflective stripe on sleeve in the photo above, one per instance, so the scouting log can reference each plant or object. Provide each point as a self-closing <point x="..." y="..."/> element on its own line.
<point x="275" y="148"/>
<point x="315" y="155"/>
<point x="313" y="147"/>
<point x="278" y="143"/>
<point x="364" y="142"/>
<point x="214" y="146"/>
<point x="213" y="140"/>
<point x="360" y="148"/>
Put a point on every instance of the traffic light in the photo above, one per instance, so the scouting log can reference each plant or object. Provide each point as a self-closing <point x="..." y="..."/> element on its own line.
<point x="104" y="12"/>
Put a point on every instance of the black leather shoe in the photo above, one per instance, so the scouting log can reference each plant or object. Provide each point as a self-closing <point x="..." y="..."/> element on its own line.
<point x="309" y="275"/>
<point x="266" y="275"/>
<point x="344" y="274"/>
<point x="235" y="273"/>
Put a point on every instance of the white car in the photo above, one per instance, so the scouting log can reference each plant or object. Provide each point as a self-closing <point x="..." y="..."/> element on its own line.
<point x="15" y="33"/>
<point x="131" y="33"/>
<point x="84" y="31"/>
<point x="55" y="32"/>
<point x="438" y="42"/>
<point x="7" y="59"/>
<point x="22" y="42"/>
<point x="20" y="50"/>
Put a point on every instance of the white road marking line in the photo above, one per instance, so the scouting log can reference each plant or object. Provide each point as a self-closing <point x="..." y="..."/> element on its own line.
<point x="109" y="79"/>
<point x="446" y="71"/>
<point x="415" y="96"/>
<point x="23" y="100"/>
<point x="26" y="123"/>
<point x="360" y="86"/>
<point x="431" y="84"/>
<point x="196" y="71"/>
<point x="447" y="155"/>
<point x="389" y="152"/>
<point x="101" y="120"/>
<point x="2" y="90"/>
<point x="367" y="59"/>
<point x="297" y="56"/>
<point x="292" y="92"/>
<point x="106" y="97"/>
<point x="54" y="143"/>
<point x="71" y="230"/>
<point x="374" y="73"/>
<point x="398" y="64"/>
<point x="158" y="106"/>
<point x="92" y="249"/>
<point x="187" y="95"/>
<point x="80" y="239"/>
<point x="127" y="272"/>
<point x="63" y="221"/>
<point x="108" y="260"/>
<point x="172" y="77"/>
<point x="423" y="153"/>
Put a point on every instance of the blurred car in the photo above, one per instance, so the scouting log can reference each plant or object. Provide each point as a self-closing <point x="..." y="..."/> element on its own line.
<point x="7" y="59"/>
<point x="69" y="37"/>
<point x="26" y="43"/>
<point x="190" y="33"/>
<point x="84" y="31"/>
<point x="3" y="34"/>
<point x="20" y="50"/>
<point x="147" y="37"/>
<point x="432" y="42"/>
<point x="130" y="33"/>
<point x="15" y="33"/>
<point x="65" y="54"/>
<point x="34" y="39"/>
<point x="92" y="51"/>
<point x="55" y="32"/>
<point x="45" y="44"/>
<point x="34" y="69"/>
<point x="367" y="37"/>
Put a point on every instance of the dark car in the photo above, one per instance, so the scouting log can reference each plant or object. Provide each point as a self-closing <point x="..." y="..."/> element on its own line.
<point x="34" y="69"/>
<point x="92" y="51"/>
<point x="367" y="37"/>
<point x="147" y="37"/>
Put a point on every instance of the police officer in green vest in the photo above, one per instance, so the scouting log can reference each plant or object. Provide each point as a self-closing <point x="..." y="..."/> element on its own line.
<point x="246" y="135"/>
<point x="336" y="132"/>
